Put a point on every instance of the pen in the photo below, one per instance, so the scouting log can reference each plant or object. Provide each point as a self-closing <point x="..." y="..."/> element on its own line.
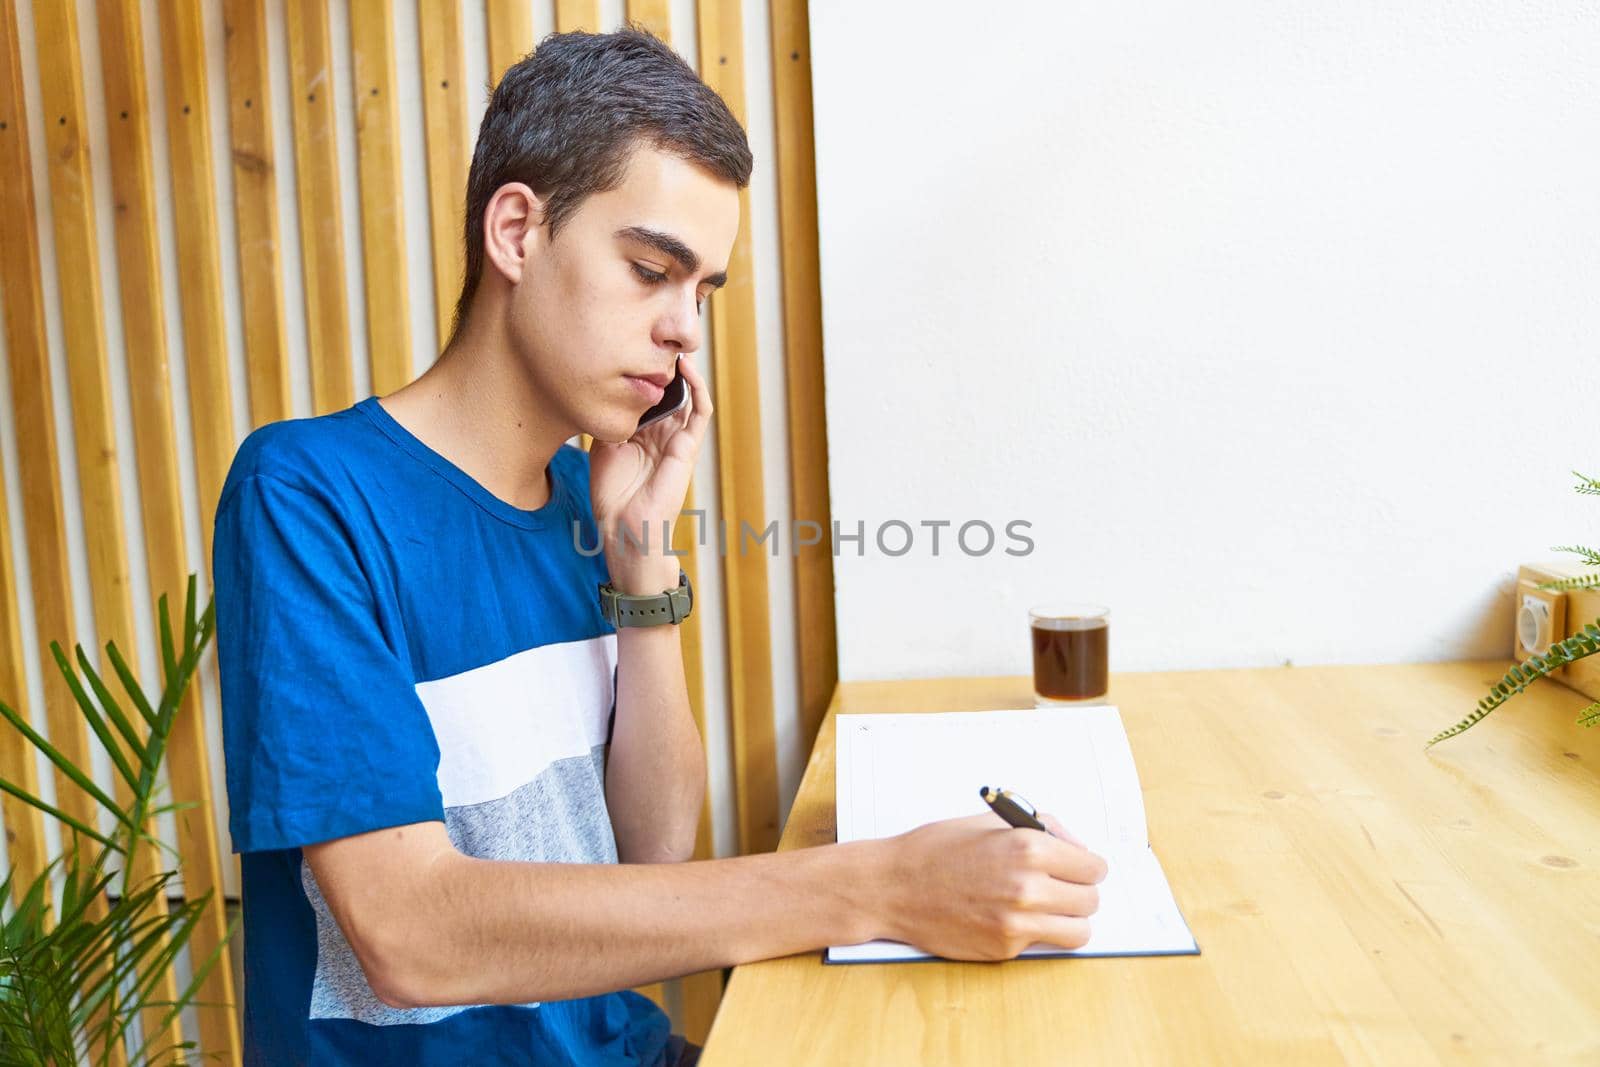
<point x="1012" y="808"/>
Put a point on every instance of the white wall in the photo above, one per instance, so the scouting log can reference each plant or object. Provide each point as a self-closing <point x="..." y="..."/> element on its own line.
<point x="1277" y="320"/>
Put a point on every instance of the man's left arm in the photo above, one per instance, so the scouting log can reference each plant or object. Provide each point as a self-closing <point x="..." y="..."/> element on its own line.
<point x="656" y="767"/>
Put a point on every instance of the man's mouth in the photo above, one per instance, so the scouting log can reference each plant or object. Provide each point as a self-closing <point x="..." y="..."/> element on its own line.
<point x="648" y="390"/>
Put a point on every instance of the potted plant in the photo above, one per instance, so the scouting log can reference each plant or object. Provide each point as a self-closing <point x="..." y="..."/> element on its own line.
<point x="75" y="975"/>
<point x="1580" y="645"/>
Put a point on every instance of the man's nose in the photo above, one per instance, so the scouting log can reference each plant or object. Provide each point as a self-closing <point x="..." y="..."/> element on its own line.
<point x="679" y="328"/>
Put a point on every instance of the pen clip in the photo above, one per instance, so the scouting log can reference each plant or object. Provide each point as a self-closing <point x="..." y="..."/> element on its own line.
<point x="1031" y="811"/>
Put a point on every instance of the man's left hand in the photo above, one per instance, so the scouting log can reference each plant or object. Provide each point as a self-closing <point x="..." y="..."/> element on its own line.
<point x="638" y="486"/>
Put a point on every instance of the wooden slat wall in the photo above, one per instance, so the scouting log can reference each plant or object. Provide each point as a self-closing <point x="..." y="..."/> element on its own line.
<point x="144" y="337"/>
<point x="652" y="15"/>
<point x="25" y="850"/>
<point x="83" y="329"/>
<point x="205" y="338"/>
<point x="736" y="380"/>
<point x="316" y="166"/>
<point x="44" y="525"/>
<point x="156" y="448"/>
<point x="32" y="407"/>
<point x="815" y="637"/>
<point x="700" y="993"/>
<point x="211" y="423"/>
<point x="389" y="289"/>
<point x="382" y="196"/>
<point x="510" y="30"/>
<point x="255" y="202"/>
<point x="83" y="337"/>
<point x="444" y="108"/>
<point x="574" y="15"/>
<point x="25" y="840"/>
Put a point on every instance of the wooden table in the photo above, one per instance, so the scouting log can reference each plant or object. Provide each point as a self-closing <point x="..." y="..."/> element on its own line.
<point x="1356" y="899"/>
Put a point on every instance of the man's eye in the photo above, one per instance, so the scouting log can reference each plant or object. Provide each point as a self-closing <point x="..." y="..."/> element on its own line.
<point x="650" y="276"/>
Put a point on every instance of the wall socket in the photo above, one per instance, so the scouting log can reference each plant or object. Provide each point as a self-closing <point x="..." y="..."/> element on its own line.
<point x="1545" y="616"/>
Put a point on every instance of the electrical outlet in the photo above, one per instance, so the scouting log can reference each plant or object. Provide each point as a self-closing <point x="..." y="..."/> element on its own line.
<point x="1541" y="619"/>
<point x="1544" y="616"/>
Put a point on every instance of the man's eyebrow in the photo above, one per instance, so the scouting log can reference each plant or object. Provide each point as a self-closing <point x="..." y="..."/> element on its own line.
<point x="669" y="245"/>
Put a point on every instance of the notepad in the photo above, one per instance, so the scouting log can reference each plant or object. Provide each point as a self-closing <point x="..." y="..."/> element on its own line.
<point x="896" y="772"/>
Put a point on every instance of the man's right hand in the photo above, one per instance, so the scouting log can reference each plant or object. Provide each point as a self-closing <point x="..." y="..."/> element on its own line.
<point x="976" y="889"/>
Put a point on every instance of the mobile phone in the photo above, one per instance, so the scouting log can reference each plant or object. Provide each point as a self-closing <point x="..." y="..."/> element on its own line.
<point x="675" y="397"/>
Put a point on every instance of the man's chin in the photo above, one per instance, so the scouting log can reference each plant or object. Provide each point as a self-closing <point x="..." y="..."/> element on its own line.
<point x="614" y="433"/>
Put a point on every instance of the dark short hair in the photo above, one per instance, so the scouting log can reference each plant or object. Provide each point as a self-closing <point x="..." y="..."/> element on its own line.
<point x="566" y="118"/>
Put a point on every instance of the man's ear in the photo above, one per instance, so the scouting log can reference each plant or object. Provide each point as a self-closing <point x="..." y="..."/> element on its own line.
<point x="512" y="229"/>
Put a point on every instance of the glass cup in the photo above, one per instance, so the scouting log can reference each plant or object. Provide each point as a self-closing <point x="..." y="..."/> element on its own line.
<point x="1070" y="645"/>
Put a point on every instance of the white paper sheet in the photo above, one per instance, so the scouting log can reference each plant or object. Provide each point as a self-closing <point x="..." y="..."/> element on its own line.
<point x="896" y="772"/>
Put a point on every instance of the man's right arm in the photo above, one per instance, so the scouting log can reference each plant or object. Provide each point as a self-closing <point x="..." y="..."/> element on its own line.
<point x="431" y="926"/>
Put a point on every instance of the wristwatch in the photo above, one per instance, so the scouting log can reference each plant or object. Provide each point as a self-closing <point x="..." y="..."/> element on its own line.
<point x="626" y="609"/>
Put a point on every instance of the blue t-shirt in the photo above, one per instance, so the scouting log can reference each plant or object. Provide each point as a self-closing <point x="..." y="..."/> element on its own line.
<point x="397" y="645"/>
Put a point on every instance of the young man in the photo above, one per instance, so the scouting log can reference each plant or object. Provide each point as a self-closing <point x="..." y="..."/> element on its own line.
<point x="463" y="795"/>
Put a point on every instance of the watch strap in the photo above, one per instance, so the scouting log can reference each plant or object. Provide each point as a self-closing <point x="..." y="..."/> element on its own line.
<point x="649" y="609"/>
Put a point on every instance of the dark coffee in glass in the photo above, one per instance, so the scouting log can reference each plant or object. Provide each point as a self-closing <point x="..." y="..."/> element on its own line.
<point x="1070" y="653"/>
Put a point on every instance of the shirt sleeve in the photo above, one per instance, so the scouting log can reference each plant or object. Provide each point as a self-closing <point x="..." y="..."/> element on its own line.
<point x="323" y="733"/>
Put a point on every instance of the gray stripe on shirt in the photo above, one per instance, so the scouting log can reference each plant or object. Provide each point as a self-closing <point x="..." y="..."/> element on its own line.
<point x="559" y="817"/>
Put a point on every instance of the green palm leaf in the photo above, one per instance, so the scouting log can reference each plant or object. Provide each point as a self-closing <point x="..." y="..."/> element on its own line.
<point x="131" y="684"/>
<point x="169" y="655"/>
<point x="92" y="715"/>
<point x="53" y="811"/>
<point x="75" y="975"/>
<point x="66" y="766"/>
<point x="109" y="705"/>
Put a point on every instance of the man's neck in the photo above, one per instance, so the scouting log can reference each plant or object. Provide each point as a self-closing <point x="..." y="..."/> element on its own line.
<point x="477" y="408"/>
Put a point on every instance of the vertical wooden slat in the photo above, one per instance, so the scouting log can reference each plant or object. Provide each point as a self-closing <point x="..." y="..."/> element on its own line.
<point x="24" y="825"/>
<point x="510" y="34"/>
<point x="83" y="329"/>
<point x="205" y="341"/>
<point x="316" y="168"/>
<point x="83" y="333"/>
<point x="255" y="201"/>
<point x="652" y="15"/>
<point x="702" y="992"/>
<point x="139" y="274"/>
<point x="205" y="357"/>
<point x="382" y="199"/>
<point x="815" y="636"/>
<point x="735" y="379"/>
<point x="444" y="110"/>
<point x="683" y="540"/>
<point x="40" y="489"/>
<point x="577" y="15"/>
<point x="150" y="394"/>
<point x="33" y="409"/>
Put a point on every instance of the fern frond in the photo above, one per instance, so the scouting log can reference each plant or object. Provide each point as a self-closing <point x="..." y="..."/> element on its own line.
<point x="1591" y="557"/>
<point x="1580" y="645"/>
<point x="1590" y="716"/>
<point x="1587" y="485"/>
<point x="1567" y="585"/>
